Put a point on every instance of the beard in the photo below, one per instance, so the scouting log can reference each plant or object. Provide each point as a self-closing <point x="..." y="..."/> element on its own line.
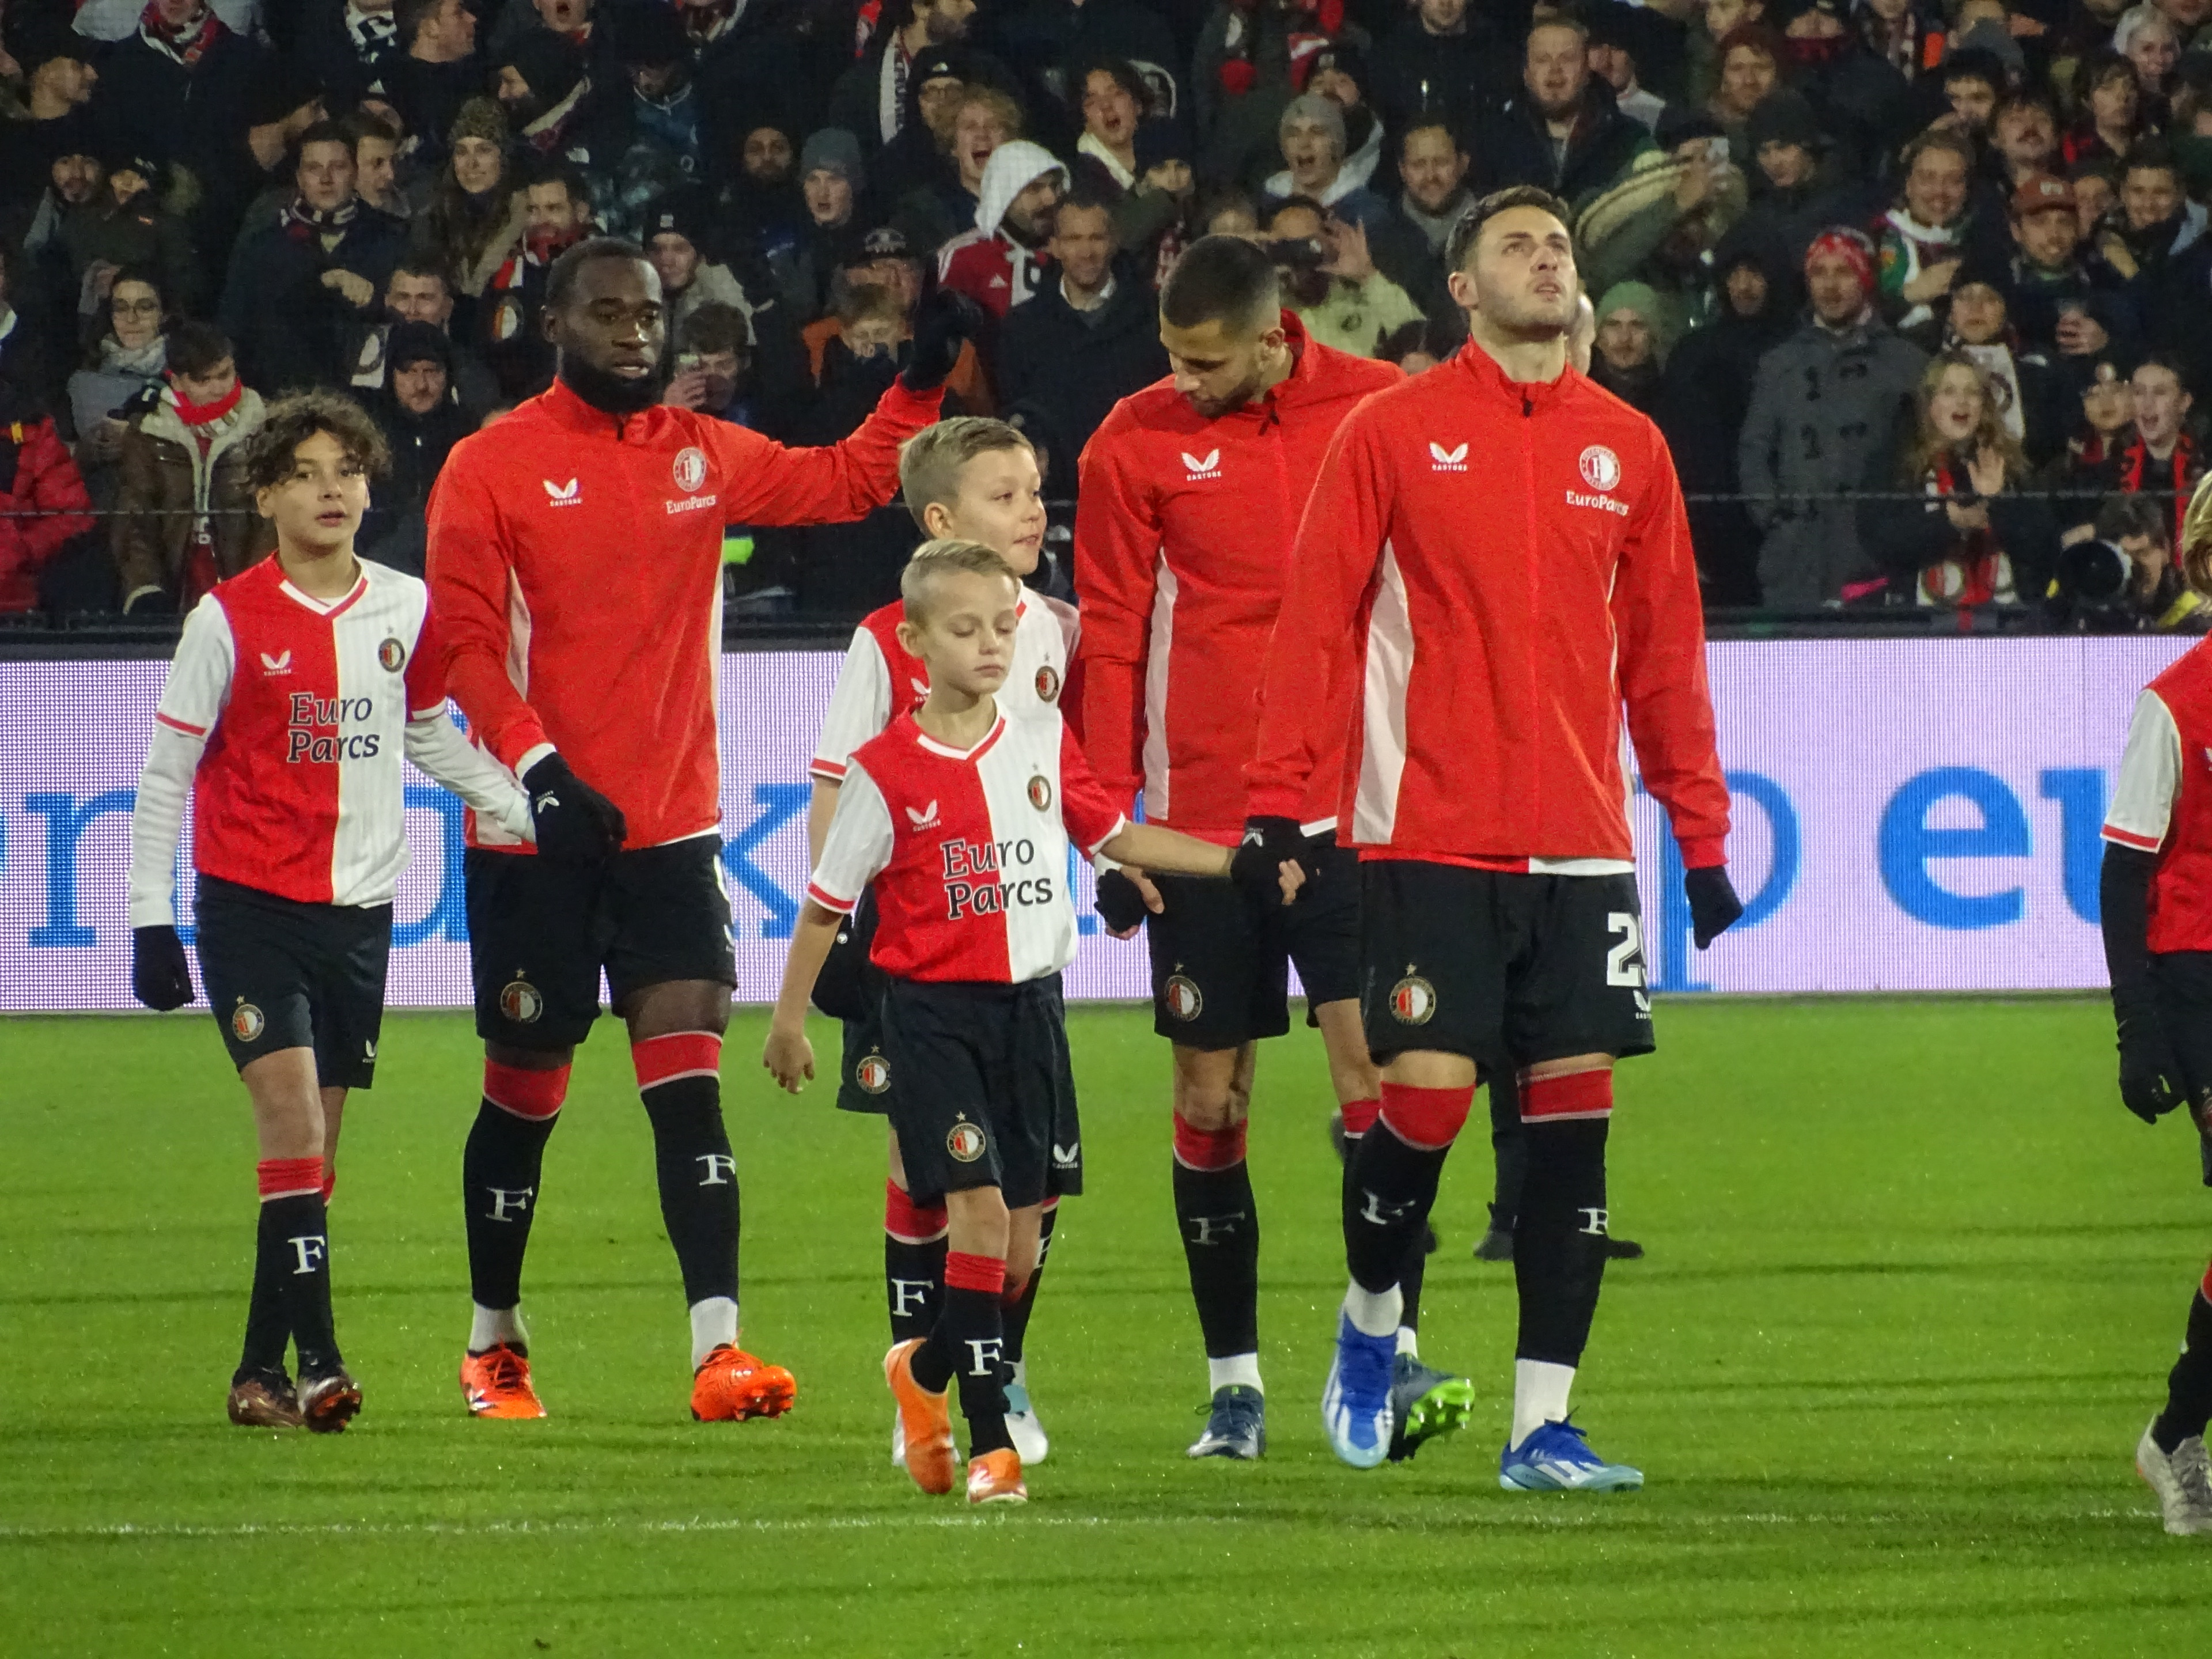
<point x="609" y="393"/>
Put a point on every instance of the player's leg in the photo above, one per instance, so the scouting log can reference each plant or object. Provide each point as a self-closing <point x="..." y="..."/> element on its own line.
<point x="536" y="970"/>
<point x="1509" y="1154"/>
<point x="1063" y="1179"/>
<point x="2170" y="1455"/>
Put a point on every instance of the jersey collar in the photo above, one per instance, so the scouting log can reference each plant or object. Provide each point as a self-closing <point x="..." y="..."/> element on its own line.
<point x="982" y="747"/>
<point x="329" y="610"/>
<point x="1480" y="367"/>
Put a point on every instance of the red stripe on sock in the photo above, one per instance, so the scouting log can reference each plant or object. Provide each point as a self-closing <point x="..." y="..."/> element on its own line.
<point x="680" y="1054"/>
<point x="330" y="1184"/>
<point x="1427" y="1118"/>
<point x="1051" y="1205"/>
<point x="526" y="1093"/>
<point x="288" y="1177"/>
<point x="1015" y="1289"/>
<point x="908" y="1222"/>
<point x="1578" y="1093"/>
<point x="963" y="1272"/>
<point x="1208" y="1149"/>
<point x="2204" y="1290"/>
<point x="1359" y="1115"/>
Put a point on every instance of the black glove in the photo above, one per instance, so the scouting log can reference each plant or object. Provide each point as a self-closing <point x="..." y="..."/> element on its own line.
<point x="1120" y="904"/>
<point x="948" y="322"/>
<point x="1714" y="906"/>
<point x="850" y="986"/>
<point x="159" y="977"/>
<point x="2150" y="1080"/>
<point x="1268" y="844"/>
<point x="576" y="824"/>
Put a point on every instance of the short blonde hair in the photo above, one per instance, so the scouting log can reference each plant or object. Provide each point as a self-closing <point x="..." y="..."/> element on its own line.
<point x="932" y="461"/>
<point x="2196" y="538"/>
<point x="945" y="556"/>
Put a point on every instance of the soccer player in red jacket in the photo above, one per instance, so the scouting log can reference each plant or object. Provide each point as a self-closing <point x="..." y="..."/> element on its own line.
<point x="1494" y="560"/>
<point x="574" y="565"/>
<point x="2155" y="904"/>
<point x="959" y="816"/>
<point x="1191" y="495"/>
<point x="297" y="687"/>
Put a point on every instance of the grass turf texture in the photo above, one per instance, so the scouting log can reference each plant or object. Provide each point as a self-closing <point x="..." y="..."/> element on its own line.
<point x="1915" y="1280"/>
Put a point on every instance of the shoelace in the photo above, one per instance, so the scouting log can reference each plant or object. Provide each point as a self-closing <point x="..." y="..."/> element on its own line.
<point x="505" y="1366"/>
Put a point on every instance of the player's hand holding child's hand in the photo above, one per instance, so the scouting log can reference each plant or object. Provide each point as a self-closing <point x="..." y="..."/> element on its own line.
<point x="1125" y="897"/>
<point x="789" y="1058"/>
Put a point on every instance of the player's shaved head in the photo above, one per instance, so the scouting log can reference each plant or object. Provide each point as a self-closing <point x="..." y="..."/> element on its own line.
<point x="1225" y="280"/>
<point x="933" y="563"/>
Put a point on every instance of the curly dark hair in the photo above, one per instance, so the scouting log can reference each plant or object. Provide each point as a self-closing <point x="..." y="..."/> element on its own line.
<point x="294" y="419"/>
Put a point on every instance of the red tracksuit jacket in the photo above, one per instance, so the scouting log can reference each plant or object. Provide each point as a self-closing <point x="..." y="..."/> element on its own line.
<point x="1183" y="532"/>
<point x="575" y="570"/>
<point x="1496" y="567"/>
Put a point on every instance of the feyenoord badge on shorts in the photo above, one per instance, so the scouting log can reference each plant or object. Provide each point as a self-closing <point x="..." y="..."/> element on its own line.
<point x="392" y="654"/>
<point x="873" y="1073"/>
<point x="1041" y="794"/>
<point x="1047" y="683"/>
<point x="1412" y="1000"/>
<point x="520" y="1002"/>
<point x="1184" y="999"/>
<point x="964" y="1140"/>
<point x="691" y="470"/>
<point x="245" y="1021"/>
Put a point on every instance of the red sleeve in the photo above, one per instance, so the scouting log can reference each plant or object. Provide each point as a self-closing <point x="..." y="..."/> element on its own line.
<point x="471" y="574"/>
<point x="1658" y="619"/>
<point x="1339" y="544"/>
<point x="426" y="672"/>
<point x="1117" y="547"/>
<point x="1085" y="808"/>
<point x="763" y="483"/>
<point x="55" y="493"/>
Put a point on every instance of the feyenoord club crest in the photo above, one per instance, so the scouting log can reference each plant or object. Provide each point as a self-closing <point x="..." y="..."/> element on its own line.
<point x="873" y="1073"/>
<point x="1041" y="794"/>
<point x="964" y="1141"/>
<point x="1601" y="467"/>
<point x="1183" y="998"/>
<point x="1412" y="1000"/>
<point x="247" y="1022"/>
<point x="520" y="1002"/>
<point x="1047" y="683"/>
<point x="392" y="655"/>
<point x="691" y="470"/>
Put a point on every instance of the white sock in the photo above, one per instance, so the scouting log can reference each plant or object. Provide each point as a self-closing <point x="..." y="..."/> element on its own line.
<point x="1374" y="1313"/>
<point x="1540" y="1396"/>
<point x="714" y="1323"/>
<point x="1409" y="1341"/>
<point x="489" y="1326"/>
<point x="1239" y="1371"/>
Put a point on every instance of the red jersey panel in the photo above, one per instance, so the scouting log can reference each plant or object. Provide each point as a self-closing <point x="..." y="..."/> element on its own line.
<point x="1184" y="533"/>
<point x="967" y="851"/>
<point x="1487" y="570"/>
<point x="2163" y="801"/>
<point x="575" y="566"/>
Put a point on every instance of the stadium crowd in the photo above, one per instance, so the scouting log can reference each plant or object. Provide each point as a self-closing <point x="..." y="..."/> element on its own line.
<point x="1917" y="293"/>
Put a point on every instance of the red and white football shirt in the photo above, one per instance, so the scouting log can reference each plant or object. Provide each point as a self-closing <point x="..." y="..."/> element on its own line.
<point x="2163" y="801"/>
<point x="967" y="851"/>
<point x="881" y="677"/>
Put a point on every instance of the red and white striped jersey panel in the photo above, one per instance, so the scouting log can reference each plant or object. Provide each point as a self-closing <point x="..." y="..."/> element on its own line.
<point x="966" y="852"/>
<point x="304" y="705"/>
<point x="2162" y="803"/>
<point x="881" y="678"/>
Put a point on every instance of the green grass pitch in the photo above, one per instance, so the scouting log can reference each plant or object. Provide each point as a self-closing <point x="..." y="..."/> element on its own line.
<point x="1915" y="1280"/>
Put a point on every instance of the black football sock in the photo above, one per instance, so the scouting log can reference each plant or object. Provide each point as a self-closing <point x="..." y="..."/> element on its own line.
<point x="1558" y="1245"/>
<point x="1359" y="1117"/>
<point x="499" y="1175"/>
<point x="2189" y="1384"/>
<point x="1018" y="1308"/>
<point x="1391" y="1181"/>
<point x="1220" y="1228"/>
<point x="968" y="1346"/>
<point x="293" y="1248"/>
<point x="268" y="1327"/>
<point x="679" y="1075"/>
<point x="1509" y="1148"/>
<point x="913" y="1263"/>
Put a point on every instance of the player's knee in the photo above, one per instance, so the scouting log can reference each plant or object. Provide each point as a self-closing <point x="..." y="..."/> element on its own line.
<point x="911" y="1222"/>
<point x="1201" y="1146"/>
<point x="978" y="1221"/>
<point x="525" y="1092"/>
<point x="897" y="1163"/>
<point x="1211" y="1096"/>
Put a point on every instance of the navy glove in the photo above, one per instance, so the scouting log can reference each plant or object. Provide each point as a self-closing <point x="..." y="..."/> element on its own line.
<point x="2150" y="1080"/>
<point x="159" y="977"/>
<point x="948" y="322"/>
<point x="1714" y="906"/>
<point x="1120" y="904"/>
<point x="849" y="986"/>
<point x="1268" y="844"/>
<point x="576" y="824"/>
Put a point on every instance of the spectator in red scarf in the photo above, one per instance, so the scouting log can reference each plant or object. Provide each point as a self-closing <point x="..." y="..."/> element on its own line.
<point x="2163" y="457"/>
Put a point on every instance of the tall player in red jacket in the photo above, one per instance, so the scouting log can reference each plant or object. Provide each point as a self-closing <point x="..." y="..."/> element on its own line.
<point x="1191" y="493"/>
<point x="1494" y="559"/>
<point x="575" y="559"/>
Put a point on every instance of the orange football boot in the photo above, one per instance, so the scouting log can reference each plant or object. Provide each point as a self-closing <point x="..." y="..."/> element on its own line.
<point x="329" y="1402"/>
<point x="496" y="1384"/>
<point x="730" y="1385"/>
<point x="927" y="1419"/>
<point x="996" y="1478"/>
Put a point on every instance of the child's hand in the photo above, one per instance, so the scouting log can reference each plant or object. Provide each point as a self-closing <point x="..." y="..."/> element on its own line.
<point x="1290" y="878"/>
<point x="789" y="1058"/>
